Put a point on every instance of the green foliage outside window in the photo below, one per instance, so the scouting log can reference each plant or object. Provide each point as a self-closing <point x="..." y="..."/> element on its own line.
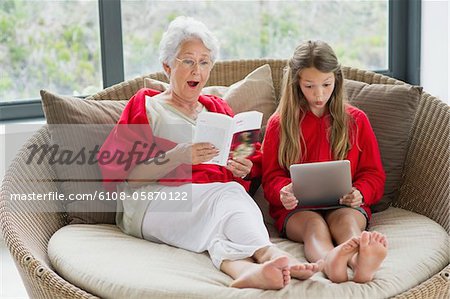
<point x="56" y="44"/>
<point x="48" y="44"/>
<point x="252" y="29"/>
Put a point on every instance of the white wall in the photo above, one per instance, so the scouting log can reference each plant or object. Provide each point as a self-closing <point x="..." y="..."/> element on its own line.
<point x="435" y="49"/>
<point x="13" y="134"/>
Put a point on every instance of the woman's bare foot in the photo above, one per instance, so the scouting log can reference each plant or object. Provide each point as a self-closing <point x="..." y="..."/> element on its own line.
<point x="298" y="269"/>
<point x="372" y="252"/>
<point x="304" y="271"/>
<point x="336" y="261"/>
<point x="271" y="275"/>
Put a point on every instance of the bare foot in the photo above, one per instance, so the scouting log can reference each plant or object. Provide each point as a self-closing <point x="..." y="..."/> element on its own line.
<point x="304" y="271"/>
<point x="271" y="275"/>
<point x="336" y="261"/>
<point x="372" y="252"/>
<point x="298" y="270"/>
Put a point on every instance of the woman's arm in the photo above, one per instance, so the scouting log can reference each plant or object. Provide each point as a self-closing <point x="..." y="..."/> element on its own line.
<point x="161" y="165"/>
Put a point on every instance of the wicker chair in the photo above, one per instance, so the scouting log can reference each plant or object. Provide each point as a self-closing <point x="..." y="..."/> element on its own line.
<point x="27" y="233"/>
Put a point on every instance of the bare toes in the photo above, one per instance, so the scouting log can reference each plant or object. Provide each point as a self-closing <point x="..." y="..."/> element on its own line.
<point x="309" y="266"/>
<point x="320" y="264"/>
<point x="365" y="238"/>
<point x="299" y="267"/>
<point x="375" y="236"/>
<point x="286" y="276"/>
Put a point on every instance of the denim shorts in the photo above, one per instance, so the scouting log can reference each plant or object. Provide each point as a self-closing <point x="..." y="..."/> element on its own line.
<point x="321" y="212"/>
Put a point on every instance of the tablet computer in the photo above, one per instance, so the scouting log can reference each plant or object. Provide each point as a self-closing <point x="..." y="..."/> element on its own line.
<point x="320" y="185"/>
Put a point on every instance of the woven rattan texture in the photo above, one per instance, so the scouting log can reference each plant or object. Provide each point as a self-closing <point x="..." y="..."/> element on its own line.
<point x="425" y="188"/>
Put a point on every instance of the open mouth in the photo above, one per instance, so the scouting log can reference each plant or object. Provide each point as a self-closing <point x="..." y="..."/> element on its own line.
<point x="192" y="83"/>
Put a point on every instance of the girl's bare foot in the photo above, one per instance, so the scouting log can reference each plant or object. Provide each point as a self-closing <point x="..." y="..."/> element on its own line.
<point x="271" y="275"/>
<point x="336" y="261"/>
<point x="304" y="271"/>
<point x="372" y="252"/>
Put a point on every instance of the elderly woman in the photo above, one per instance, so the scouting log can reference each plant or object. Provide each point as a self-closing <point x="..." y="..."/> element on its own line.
<point x="168" y="194"/>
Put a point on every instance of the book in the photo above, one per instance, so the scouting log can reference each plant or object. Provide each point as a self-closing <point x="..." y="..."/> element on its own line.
<point x="233" y="136"/>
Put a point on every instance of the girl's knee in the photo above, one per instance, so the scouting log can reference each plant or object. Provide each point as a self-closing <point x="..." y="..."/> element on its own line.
<point x="345" y="218"/>
<point x="316" y="225"/>
<point x="308" y="221"/>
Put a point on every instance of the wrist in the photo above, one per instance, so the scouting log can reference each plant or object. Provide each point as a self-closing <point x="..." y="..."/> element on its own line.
<point x="246" y="177"/>
<point x="180" y="154"/>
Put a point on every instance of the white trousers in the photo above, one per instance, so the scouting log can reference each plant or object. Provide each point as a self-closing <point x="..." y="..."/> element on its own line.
<point x="222" y="219"/>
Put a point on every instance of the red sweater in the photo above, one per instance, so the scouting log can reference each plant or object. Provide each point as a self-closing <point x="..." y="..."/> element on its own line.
<point x="367" y="171"/>
<point x="133" y="126"/>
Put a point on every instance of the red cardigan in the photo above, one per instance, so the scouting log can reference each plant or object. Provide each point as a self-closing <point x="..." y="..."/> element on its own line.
<point x="367" y="171"/>
<point x="124" y="135"/>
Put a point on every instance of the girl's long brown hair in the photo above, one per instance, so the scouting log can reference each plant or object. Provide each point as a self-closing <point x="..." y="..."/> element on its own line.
<point x="293" y="105"/>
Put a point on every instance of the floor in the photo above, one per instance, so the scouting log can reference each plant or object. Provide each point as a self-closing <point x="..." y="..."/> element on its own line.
<point x="11" y="285"/>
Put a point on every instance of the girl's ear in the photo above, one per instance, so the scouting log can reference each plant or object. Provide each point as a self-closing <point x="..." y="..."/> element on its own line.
<point x="167" y="69"/>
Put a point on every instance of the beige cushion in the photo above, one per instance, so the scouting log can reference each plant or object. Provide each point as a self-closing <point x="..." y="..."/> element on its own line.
<point x="115" y="265"/>
<point x="69" y="110"/>
<point x="75" y="123"/>
<point x="254" y="92"/>
<point x="391" y="110"/>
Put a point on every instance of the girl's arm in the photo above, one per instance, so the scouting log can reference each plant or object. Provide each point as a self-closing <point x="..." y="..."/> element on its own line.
<point x="369" y="176"/>
<point x="274" y="177"/>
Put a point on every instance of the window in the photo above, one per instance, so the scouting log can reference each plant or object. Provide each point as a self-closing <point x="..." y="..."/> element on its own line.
<point x="77" y="47"/>
<point x="49" y="44"/>
<point x="357" y="30"/>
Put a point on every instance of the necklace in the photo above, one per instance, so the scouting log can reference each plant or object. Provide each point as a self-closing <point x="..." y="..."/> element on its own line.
<point x="198" y="109"/>
<point x="187" y="112"/>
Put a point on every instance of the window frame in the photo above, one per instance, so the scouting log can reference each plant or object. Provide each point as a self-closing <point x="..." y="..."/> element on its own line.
<point x="404" y="39"/>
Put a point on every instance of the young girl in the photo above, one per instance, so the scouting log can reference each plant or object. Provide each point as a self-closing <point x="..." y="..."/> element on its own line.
<point x="313" y="123"/>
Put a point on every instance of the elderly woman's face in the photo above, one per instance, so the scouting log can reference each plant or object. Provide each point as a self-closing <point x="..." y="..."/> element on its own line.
<point x="190" y="70"/>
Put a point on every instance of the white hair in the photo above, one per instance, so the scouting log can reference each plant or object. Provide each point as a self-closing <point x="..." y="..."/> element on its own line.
<point x="182" y="29"/>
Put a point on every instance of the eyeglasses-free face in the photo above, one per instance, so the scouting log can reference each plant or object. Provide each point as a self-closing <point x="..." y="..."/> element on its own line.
<point x="317" y="87"/>
<point x="189" y="63"/>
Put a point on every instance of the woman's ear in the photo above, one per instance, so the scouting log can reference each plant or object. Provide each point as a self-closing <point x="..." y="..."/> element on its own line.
<point x="167" y="69"/>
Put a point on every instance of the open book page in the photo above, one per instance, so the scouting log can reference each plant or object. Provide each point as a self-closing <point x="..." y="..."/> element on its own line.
<point x="221" y="130"/>
<point x="243" y="144"/>
<point x="245" y="134"/>
<point x="215" y="128"/>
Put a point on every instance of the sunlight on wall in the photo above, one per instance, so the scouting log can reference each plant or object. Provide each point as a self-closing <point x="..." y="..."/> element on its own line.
<point x="435" y="50"/>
